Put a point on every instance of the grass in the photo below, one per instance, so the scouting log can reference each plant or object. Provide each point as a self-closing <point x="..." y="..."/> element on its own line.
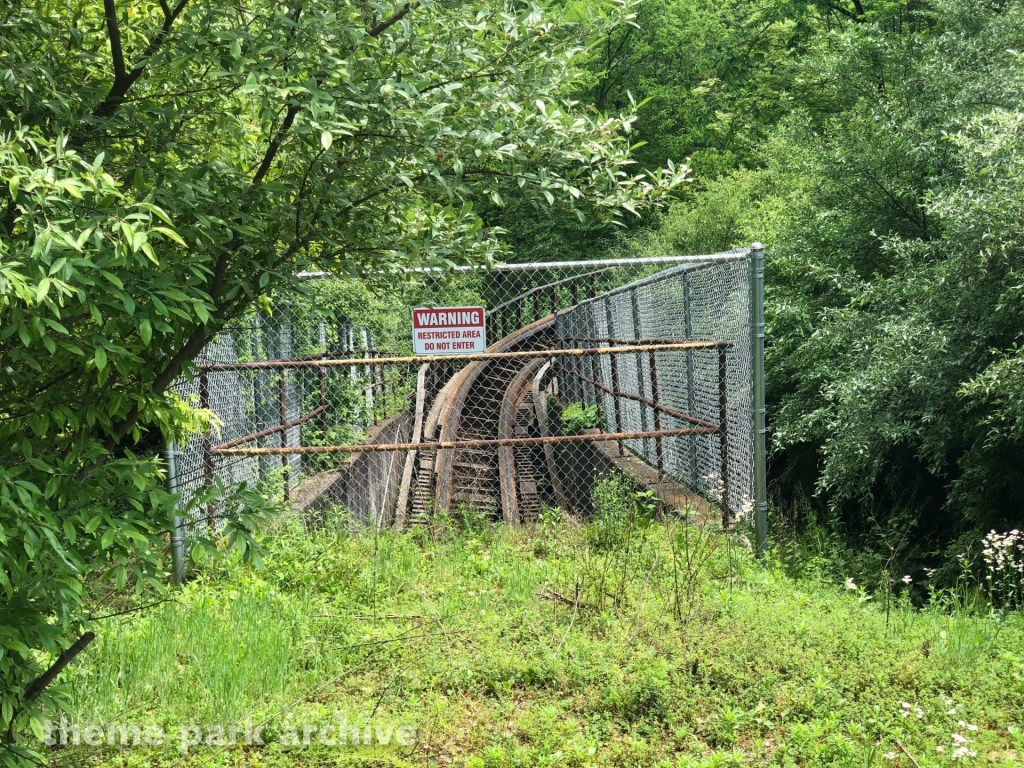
<point x="623" y="643"/>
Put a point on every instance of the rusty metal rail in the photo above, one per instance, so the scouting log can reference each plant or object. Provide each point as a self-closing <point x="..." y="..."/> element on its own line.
<point x="413" y="360"/>
<point x="271" y="430"/>
<point x="658" y="407"/>
<point x="452" y="446"/>
<point x="455" y="444"/>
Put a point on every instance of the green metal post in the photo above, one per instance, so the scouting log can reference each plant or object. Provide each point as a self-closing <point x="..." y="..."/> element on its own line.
<point x="178" y="531"/>
<point x="757" y="365"/>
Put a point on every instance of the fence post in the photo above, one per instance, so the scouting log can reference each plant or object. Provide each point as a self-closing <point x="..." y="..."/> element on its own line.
<point x="321" y="374"/>
<point x="757" y="366"/>
<point x="204" y="403"/>
<point x="368" y="373"/>
<point x="723" y="433"/>
<point x="177" y="532"/>
<point x="614" y="365"/>
<point x="656" y="399"/>
<point x="283" y="405"/>
<point x="691" y="394"/>
<point x="634" y="301"/>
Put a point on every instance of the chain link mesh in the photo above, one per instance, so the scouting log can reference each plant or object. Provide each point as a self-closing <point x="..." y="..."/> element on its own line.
<point x="590" y="368"/>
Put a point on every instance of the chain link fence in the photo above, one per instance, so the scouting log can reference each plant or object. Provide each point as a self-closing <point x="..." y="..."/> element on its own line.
<point x="642" y="367"/>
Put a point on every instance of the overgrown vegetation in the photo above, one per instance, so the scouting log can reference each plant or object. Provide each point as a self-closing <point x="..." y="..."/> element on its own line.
<point x="168" y="165"/>
<point x="875" y="147"/>
<point x="628" y="641"/>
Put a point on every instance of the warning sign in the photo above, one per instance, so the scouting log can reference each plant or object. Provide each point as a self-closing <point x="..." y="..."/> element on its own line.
<point x="448" y="331"/>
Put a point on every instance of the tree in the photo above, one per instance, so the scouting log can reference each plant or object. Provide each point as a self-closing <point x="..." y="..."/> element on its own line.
<point x="169" y="162"/>
<point x="890" y="206"/>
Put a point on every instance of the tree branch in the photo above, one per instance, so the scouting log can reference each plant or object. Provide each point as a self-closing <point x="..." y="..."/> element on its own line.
<point x="857" y="17"/>
<point x="286" y="124"/>
<point x="114" y="34"/>
<point x="390" y="21"/>
<point x="275" y="144"/>
<point x="122" y="84"/>
<point x="38" y="685"/>
<point x="133" y="610"/>
<point x="474" y="76"/>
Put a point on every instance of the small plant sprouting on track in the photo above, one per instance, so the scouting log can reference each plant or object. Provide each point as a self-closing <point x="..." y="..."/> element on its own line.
<point x="577" y="417"/>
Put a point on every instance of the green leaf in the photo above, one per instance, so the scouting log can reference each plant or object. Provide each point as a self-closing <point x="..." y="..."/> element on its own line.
<point x="170" y="234"/>
<point x="100" y="358"/>
<point x="145" y="331"/>
<point x="107" y="538"/>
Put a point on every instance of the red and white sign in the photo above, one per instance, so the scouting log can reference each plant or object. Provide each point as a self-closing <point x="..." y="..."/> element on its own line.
<point x="448" y="331"/>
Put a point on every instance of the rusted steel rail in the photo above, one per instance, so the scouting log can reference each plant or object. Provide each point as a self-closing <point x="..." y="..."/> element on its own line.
<point x="657" y="407"/>
<point x="472" y="406"/>
<point x="456" y="444"/>
<point x="512" y="467"/>
<point x="272" y="430"/>
<point x="612" y="340"/>
<point x="411" y="359"/>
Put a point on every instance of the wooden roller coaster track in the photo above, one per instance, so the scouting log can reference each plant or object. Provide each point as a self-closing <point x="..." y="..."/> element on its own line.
<point x="487" y="399"/>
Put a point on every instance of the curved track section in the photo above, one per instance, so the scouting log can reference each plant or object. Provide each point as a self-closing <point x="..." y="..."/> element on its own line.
<point x="472" y="475"/>
<point x="485" y="400"/>
<point x="518" y="465"/>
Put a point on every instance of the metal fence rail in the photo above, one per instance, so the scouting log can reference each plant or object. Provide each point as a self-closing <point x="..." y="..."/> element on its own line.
<point x="321" y="403"/>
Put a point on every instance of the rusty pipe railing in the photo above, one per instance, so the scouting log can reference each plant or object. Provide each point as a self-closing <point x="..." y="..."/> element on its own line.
<point x="457" y="444"/>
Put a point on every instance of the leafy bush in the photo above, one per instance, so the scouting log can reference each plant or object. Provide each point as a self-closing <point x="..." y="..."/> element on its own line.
<point x="169" y="166"/>
<point x="889" y="202"/>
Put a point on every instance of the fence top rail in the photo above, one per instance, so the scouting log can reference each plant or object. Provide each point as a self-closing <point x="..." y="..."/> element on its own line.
<point x="686" y="264"/>
<point x="711" y="258"/>
<point x="529" y="353"/>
